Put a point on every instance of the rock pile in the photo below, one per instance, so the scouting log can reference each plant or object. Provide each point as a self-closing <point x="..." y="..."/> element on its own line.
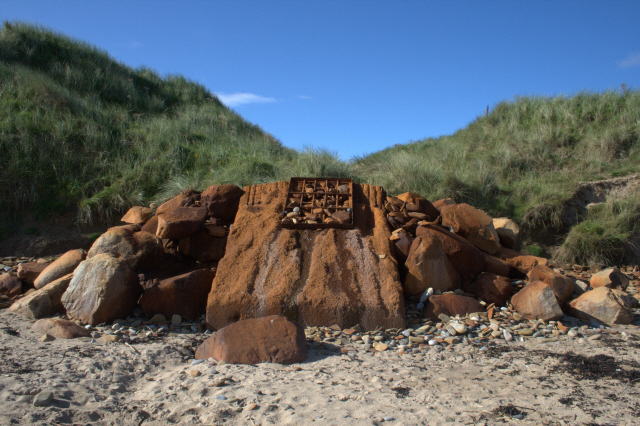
<point x="426" y="273"/>
<point x="163" y="261"/>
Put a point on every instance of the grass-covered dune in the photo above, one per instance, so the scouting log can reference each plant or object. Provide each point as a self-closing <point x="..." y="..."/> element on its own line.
<point x="525" y="160"/>
<point x="83" y="136"/>
<point x="80" y="132"/>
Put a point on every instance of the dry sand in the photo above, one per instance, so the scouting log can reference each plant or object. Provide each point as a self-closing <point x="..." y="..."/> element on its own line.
<point x="568" y="382"/>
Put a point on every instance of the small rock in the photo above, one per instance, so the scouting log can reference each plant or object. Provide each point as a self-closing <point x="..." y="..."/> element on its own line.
<point x="194" y="373"/>
<point x="42" y="399"/>
<point x="176" y="320"/>
<point x="47" y="338"/>
<point x="380" y="347"/>
<point x="597" y="336"/>
<point x="507" y="336"/>
<point x="572" y="333"/>
<point x="452" y="340"/>
<point x="158" y="319"/>
<point x="111" y="337"/>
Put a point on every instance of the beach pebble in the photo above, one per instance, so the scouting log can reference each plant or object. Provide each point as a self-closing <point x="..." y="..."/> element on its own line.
<point x="458" y="327"/>
<point x="595" y="337"/>
<point x="525" y="332"/>
<point x="221" y="397"/>
<point x="572" y="333"/>
<point x="43" y="398"/>
<point x="381" y="347"/>
<point x="197" y="361"/>
<point x="432" y="342"/>
<point x="426" y="295"/>
<point x="388" y="419"/>
<point x="158" y="319"/>
<point x="507" y="336"/>
<point x="47" y="338"/>
<point x="194" y="373"/>
<point x="111" y="337"/>
<point x="176" y="319"/>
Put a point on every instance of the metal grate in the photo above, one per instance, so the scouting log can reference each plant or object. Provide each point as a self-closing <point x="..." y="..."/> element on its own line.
<point x="314" y="203"/>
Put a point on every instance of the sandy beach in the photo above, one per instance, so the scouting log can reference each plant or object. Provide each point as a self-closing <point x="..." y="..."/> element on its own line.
<point x="579" y="381"/>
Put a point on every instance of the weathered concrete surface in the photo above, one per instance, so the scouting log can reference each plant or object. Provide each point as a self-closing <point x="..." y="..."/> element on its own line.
<point x="314" y="277"/>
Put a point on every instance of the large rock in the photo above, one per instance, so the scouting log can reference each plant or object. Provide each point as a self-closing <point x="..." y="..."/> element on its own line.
<point x="604" y="305"/>
<point x="103" y="289"/>
<point x="315" y="277"/>
<point x="490" y="288"/>
<point x="472" y="224"/>
<point x="10" y="286"/>
<point x="465" y="257"/>
<point x="403" y="246"/>
<point x="203" y="247"/>
<point x="141" y="250"/>
<point x="417" y="203"/>
<point x="180" y="222"/>
<point x="451" y="304"/>
<point x="508" y="232"/>
<point x="45" y="302"/>
<point x="611" y="277"/>
<point x="184" y="199"/>
<point x="151" y="226"/>
<point x="562" y="286"/>
<point x="62" y="266"/>
<point x="185" y="295"/>
<point x="57" y="327"/>
<point x="428" y="266"/>
<point x="29" y="271"/>
<point x="221" y="201"/>
<point x="537" y="301"/>
<point x="496" y="266"/>
<point x="439" y="204"/>
<point x="523" y="263"/>
<point x="270" y="339"/>
<point x="137" y="215"/>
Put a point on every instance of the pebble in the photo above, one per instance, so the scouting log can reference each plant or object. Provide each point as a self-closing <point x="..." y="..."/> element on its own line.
<point x="388" y="419"/>
<point x="43" y="398"/>
<point x="111" y="337"/>
<point x="572" y="333"/>
<point x="432" y="342"/>
<point x="194" y="373"/>
<point x="452" y="340"/>
<point x="176" y="319"/>
<point x="221" y="397"/>
<point x="458" y="327"/>
<point x="47" y="338"/>
<point x="507" y="336"/>
<point x="426" y="295"/>
<point x="158" y="319"/>
<point x="525" y="332"/>
<point x="381" y="347"/>
<point x="595" y="337"/>
<point x="197" y="361"/>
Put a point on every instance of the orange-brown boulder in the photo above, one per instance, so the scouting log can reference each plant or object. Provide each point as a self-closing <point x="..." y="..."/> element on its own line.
<point x="141" y="250"/>
<point x="270" y="339"/>
<point x="496" y="266"/>
<point x="604" y="305"/>
<point x="403" y="245"/>
<point x="151" y="226"/>
<point x="428" y="266"/>
<point x="562" y="286"/>
<point x="103" y="289"/>
<point x="184" y="199"/>
<point x="10" y="286"/>
<point x="185" y="295"/>
<point x="610" y="277"/>
<point x="472" y="224"/>
<point x="422" y="205"/>
<point x="508" y="232"/>
<point x="57" y="327"/>
<point x="44" y="302"/>
<point x="523" y="263"/>
<point x="202" y="246"/>
<point x="315" y="277"/>
<point x="490" y="288"/>
<point x="180" y="222"/>
<point x="62" y="266"/>
<point x="465" y="257"/>
<point x="29" y="271"/>
<point x="221" y="201"/>
<point x="452" y="305"/>
<point x="137" y="215"/>
<point x="537" y="301"/>
<point x="439" y="204"/>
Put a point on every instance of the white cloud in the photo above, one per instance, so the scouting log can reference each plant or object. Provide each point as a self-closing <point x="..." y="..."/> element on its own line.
<point x="135" y="44"/>
<point x="235" y="99"/>
<point x="631" y="60"/>
<point x="304" y="97"/>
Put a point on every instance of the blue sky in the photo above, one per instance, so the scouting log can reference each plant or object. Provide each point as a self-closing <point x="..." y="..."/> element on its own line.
<point x="356" y="77"/>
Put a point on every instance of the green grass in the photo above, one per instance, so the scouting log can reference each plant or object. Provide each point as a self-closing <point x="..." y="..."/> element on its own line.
<point x="84" y="136"/>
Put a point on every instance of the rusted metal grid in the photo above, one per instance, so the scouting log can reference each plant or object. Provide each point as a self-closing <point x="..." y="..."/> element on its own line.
<point x="318" y="199"/>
